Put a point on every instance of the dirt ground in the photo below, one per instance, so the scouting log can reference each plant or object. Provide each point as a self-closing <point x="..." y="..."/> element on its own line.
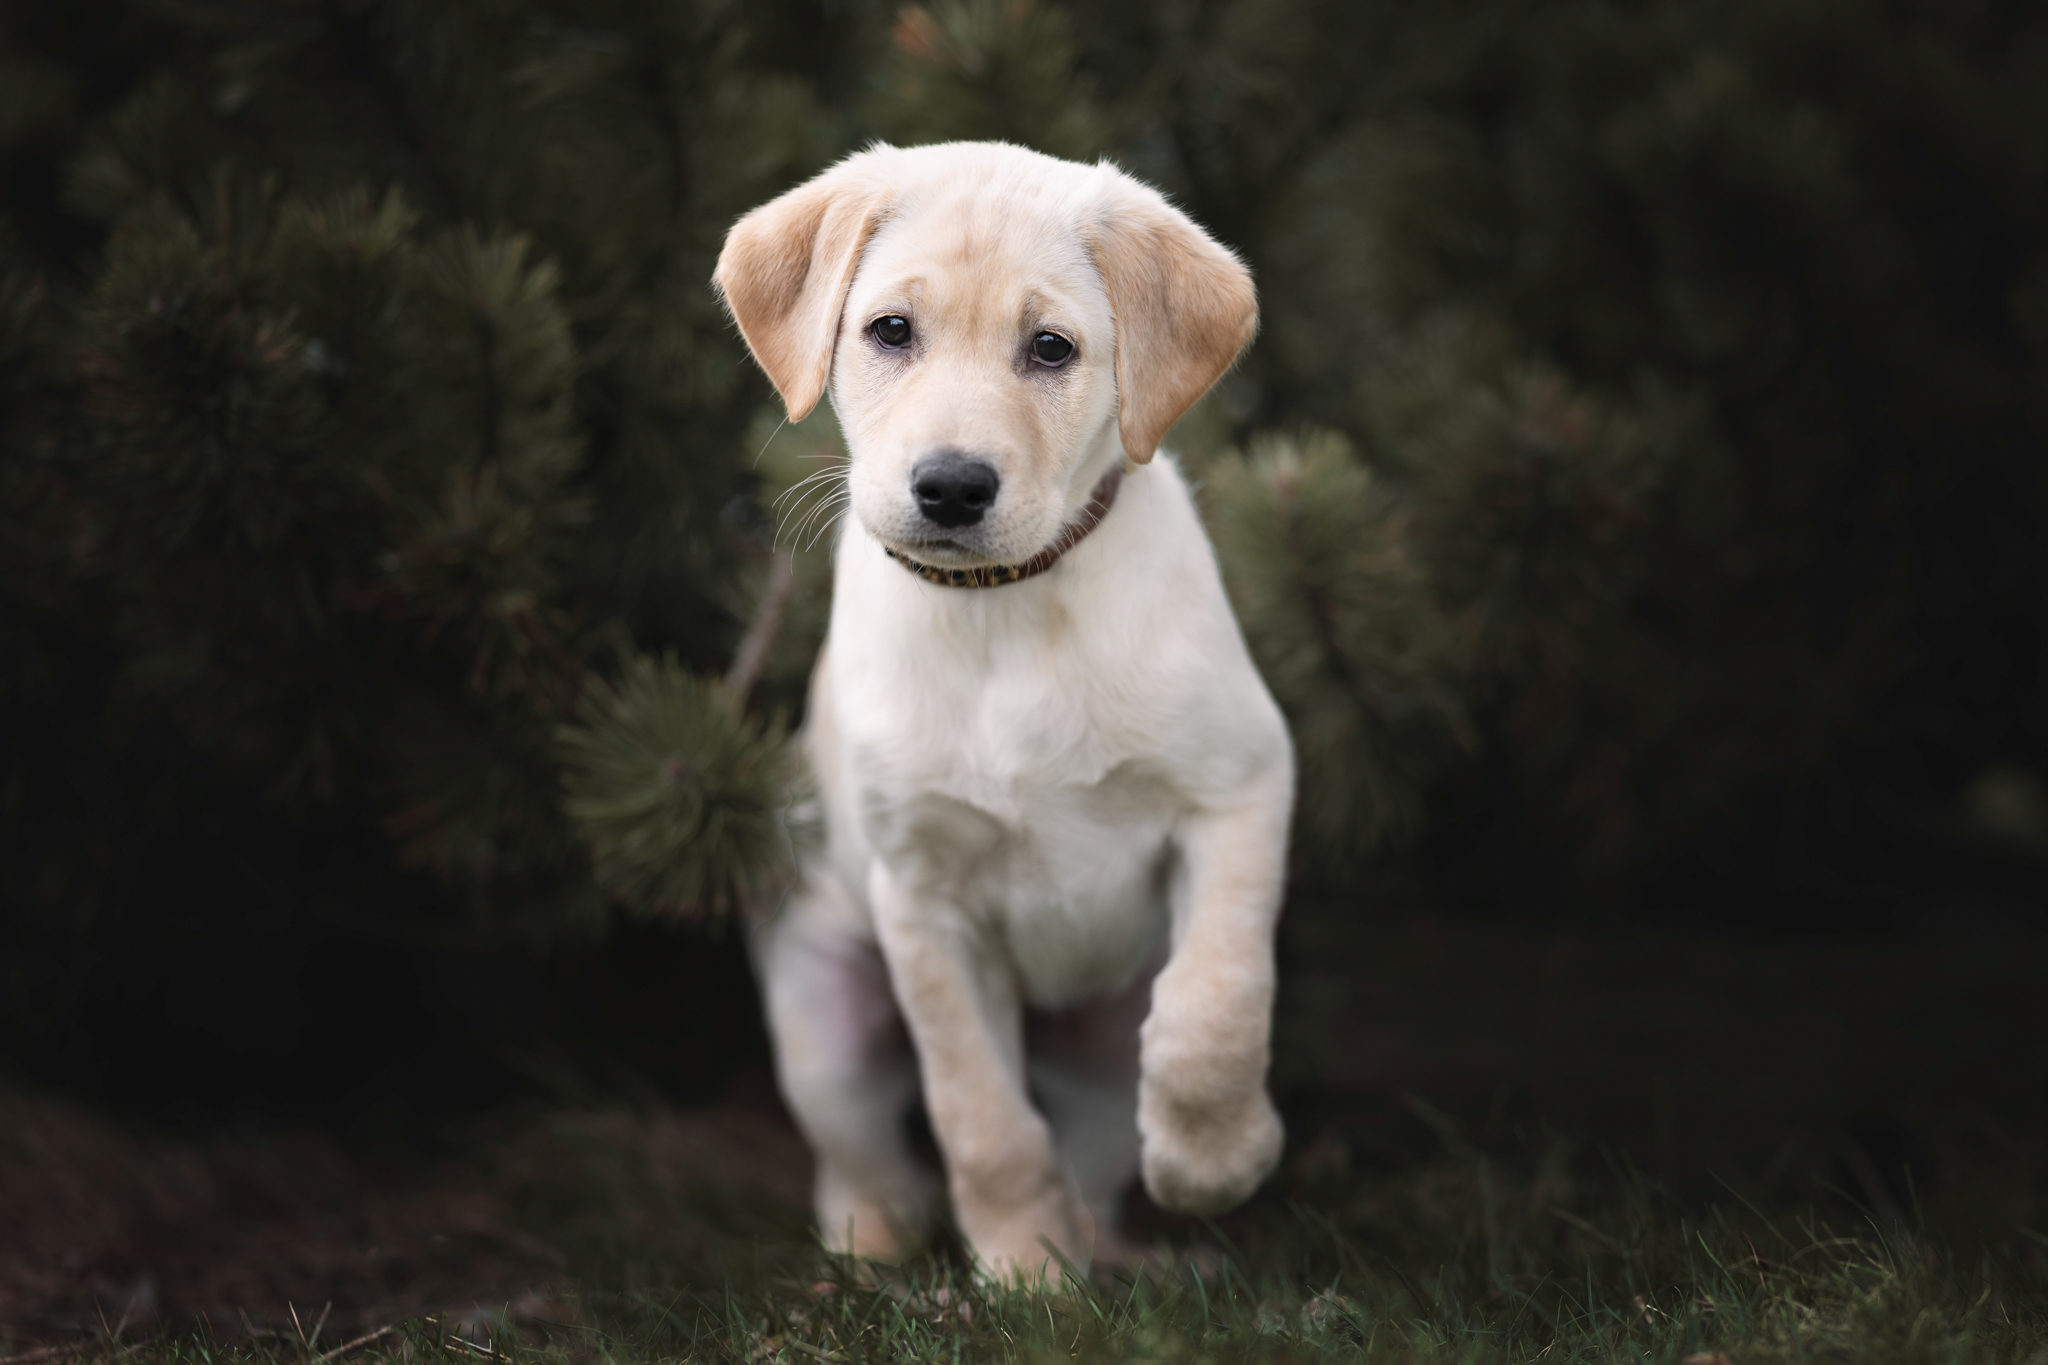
<point x="106" y="1231"/>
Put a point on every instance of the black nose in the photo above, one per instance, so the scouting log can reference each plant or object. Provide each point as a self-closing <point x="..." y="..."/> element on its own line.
<point x="953" y="489"/>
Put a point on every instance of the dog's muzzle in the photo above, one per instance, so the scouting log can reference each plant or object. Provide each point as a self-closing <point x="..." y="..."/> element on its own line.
<point x="995" y="575"/>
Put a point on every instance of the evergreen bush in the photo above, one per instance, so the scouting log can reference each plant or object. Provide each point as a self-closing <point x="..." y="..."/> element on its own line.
<point x="1644" y="444"/>
<point x="1696" y="351"/>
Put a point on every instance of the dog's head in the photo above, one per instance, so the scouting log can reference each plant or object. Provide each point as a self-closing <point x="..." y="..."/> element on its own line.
<point x="996" y="328"/>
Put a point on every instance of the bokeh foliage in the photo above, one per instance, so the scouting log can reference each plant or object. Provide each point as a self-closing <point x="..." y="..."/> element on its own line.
<point x="1694" y="345"/>
<point x="1642" y="451"/>
<point x="385" y="412"/>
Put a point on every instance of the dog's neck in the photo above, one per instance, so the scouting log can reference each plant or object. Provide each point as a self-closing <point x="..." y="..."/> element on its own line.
<point x="996" y="575"/>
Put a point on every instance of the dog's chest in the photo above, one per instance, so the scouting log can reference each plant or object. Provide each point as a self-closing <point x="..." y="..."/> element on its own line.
<point x="1022" y="800"/>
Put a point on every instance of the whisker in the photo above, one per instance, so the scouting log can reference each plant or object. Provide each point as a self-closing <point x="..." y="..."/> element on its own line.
<point x="802" y="514"/>
<point x="833" y="462"/>
<point x="796" y="489"/>
<point x="830" y="522"/>
<point x="797" y="508"/>
<point x="771" y="440"/>
<point x="829" y="510"/>
<point x="829" y="507"/>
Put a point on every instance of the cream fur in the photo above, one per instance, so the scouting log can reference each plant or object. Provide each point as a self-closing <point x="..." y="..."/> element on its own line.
<point x="1036" y="794"/>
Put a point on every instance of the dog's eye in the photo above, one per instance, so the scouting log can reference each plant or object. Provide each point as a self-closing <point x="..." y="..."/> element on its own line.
<point x="892" y="331"/>
<point x="1051" y="348"/>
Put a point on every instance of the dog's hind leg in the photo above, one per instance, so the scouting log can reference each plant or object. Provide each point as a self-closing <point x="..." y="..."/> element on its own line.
<point x="1083" y="1066"/>
<point x="848" y="1072"/>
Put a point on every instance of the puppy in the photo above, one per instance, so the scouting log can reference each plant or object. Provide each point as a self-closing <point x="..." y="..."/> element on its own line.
<point x="1056" y="790"/>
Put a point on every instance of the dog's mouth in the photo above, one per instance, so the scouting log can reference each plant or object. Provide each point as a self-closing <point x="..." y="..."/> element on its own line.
<point x="943" y="551"/>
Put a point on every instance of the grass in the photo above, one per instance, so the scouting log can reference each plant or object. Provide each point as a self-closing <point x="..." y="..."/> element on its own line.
<point x="1468" y="1258"/>
<point x="1736" y="1207"/>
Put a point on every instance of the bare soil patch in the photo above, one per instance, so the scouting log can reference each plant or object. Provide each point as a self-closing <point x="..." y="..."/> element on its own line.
<point x="106" y="1230"/>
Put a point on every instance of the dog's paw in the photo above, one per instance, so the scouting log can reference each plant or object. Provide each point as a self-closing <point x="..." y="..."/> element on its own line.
<point x="1036" y="1247"/>
<point x="871" y="1224"/>
<point x="1204" y="1157"/>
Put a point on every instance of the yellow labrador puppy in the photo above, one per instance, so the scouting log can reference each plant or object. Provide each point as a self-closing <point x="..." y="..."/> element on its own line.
<point x="1056" y="790"/>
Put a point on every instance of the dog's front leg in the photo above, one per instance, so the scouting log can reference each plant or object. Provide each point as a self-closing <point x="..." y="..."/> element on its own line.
<point x="1012" y="1199"/>
<point x="1208" y="1132"/>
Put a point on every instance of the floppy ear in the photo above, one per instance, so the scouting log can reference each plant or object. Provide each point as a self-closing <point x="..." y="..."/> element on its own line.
<point x="785" y="270"/>
<point x="1184" y="309"/>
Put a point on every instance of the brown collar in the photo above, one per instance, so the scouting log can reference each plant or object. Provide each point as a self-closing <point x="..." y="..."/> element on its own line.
<point x="995" y="575"/>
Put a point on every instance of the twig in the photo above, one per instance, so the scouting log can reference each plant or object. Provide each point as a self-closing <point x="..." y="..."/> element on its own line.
<point x="752" y="655"/>
<point x="342" y="1349"/>
<point x="818" y="1351"/>
<point x="489" y="1350"/>
<point x="113" y="1333"/>
<point x="306" y="1340"/>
